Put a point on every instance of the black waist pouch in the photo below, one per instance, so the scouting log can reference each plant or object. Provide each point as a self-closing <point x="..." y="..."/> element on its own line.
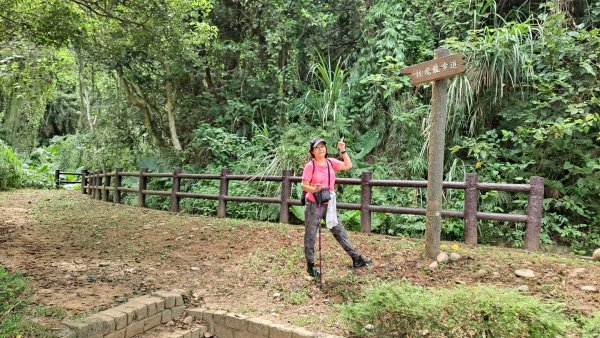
<point x="322" y="196"/>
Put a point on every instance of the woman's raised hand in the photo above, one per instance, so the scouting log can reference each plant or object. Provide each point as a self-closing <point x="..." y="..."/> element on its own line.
<point x="341" y="145"/>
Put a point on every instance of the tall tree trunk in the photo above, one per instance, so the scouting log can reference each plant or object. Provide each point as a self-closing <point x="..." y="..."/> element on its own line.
<point x="171" y="114"/>
<point x="84" y="95"/>
<point x="140" y="102"/>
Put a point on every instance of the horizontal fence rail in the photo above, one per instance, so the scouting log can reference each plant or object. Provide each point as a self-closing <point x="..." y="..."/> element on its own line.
<point x="98" y="184"/>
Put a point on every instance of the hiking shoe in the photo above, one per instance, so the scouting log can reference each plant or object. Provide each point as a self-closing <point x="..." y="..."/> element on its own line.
<point x="360" y="261"/>
<point x="312" y="270"/>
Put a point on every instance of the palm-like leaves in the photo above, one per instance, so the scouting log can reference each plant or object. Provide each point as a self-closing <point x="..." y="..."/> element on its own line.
<point x="330" y="87"/>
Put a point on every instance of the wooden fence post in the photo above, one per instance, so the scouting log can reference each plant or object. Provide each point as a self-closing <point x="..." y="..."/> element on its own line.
<point x="175" y="190"/>
<point x="56" y="178"/>
<point x="471" y="200"/>
<point x="98" y="186"/>
<point x="141" y="187"/>
<point x="106" y="184"/>
<point x="222" y="211"/>
<point x="535" y="210"/>
<point x="365" y="202"/>
<point x="90" y="190"/>
<point x="435" y="161"/>
<point x="286" y="193"/>
<point x="117" y="193"/>
<point x="84" y="181"/>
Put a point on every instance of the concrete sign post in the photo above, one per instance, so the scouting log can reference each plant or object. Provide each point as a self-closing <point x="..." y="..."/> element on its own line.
<point x="437" y="70"/>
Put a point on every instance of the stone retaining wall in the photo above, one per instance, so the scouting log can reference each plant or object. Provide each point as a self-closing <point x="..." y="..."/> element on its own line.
<point x="230" y="325"/>
<point x="146" y="313"/>
<point x="129" y="319"/>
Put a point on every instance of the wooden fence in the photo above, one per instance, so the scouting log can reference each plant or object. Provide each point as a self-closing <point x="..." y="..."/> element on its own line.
<point x="98" y="184"/>
<point x="58" y="179"/>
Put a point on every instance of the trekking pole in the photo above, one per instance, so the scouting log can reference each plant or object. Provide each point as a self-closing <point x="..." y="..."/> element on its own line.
<point x="320" y="261"/>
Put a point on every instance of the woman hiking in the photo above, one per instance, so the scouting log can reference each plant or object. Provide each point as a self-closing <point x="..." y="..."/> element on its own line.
<point x="318" y="180"/>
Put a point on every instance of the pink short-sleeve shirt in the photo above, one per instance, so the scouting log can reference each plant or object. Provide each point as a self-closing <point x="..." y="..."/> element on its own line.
<point x="320" y="175"/>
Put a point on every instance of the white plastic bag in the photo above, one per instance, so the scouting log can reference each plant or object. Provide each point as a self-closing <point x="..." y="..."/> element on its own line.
<point x="331" y="218"/>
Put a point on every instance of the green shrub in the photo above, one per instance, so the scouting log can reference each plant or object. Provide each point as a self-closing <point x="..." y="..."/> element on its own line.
<point x="10" y="168"/>
<point x="399" y="310"/>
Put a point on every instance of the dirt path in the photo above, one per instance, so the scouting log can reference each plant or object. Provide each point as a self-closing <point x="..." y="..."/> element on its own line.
<point x="85" y="255"/>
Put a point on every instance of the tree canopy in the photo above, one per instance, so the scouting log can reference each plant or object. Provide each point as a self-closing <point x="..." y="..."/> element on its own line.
<point x="204" y="84"/>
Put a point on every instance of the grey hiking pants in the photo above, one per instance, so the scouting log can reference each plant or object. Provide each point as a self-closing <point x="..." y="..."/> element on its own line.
<point x="313" y="214"/>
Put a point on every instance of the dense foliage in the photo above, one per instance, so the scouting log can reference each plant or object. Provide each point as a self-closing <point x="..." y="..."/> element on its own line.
<point x="10" y="168"/>
<point x="204" y="84"/>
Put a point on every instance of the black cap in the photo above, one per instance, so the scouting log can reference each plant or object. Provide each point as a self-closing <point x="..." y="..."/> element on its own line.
<point x="315" y="141"/>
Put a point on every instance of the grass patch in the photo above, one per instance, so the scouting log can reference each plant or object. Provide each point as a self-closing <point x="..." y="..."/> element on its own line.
<point x="15" y="320"/>
<point x="403" y="309"/>
<point x="305" y="320"/>
<point x="591" y="327"/>
<point x="296" y="297"/>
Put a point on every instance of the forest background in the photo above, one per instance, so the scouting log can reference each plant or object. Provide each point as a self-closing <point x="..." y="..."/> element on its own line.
<point x="201" y="85"/>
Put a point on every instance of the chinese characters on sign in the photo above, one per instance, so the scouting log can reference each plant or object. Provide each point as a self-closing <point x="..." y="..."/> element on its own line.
<point x="436" y="69"/>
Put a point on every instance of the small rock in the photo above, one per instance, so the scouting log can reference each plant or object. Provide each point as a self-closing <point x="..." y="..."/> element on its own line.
<point x="454" y="257"/>
<point x="433" y="266"/>
<point x="148" y="227"/>
<point x="525" y="273"/>
<point x="170" y="272"/>
<point x="495" y="274"/>
<point x="188" y="320"/>
<point x="589" y="288"/>
<point x="523" y="288"/>
<point x="208" y="335"/>
<point x="369" y="327"/>
<point x="424" y="332"/>
<point x="195" y="268"/>
<point x="442" y="258"/>
<point x="170" y="323"/>
<point x="150" y="281"/>
<point x="276" y="295"/>
<point x="481" y="273"/>
<point x="308" y="278"/>
<point x="596" y="255"/>
<point x="577" y="272"/>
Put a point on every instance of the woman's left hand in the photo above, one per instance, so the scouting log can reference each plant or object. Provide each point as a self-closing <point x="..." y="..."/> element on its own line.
<point x="341" y="144"/>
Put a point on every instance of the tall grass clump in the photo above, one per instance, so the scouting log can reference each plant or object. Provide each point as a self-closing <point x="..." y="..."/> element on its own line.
<point x="405" y="310"/>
